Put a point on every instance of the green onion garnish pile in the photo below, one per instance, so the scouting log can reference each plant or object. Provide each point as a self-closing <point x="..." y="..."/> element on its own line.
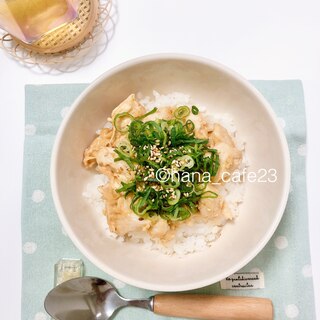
<point x="168" y="147"/>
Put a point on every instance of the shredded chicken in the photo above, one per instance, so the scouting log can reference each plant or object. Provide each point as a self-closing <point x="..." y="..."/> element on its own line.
<point x="230" y="157"/>
<point x="99" y="142"/>
<point x="201" y="126"/>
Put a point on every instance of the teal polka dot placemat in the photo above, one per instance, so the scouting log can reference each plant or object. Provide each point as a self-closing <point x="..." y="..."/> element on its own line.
<point x="285" y="261"/>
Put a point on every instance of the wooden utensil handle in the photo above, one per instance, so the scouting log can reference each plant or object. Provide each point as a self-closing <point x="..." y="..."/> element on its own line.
<point x="211" y="307"/>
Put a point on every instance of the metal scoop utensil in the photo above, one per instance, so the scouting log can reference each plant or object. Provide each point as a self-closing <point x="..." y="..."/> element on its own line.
<point x="89" y="298"/>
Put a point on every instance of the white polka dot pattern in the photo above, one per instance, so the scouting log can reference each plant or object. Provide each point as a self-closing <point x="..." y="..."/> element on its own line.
<point x="29" y="247"/>
<point x="292" y="311"/>
<point x="30" y="129"/>
<point x="307" y="271"/>
<point x="64" y="111"/>
<point x="302" y="150"/>
<point x="281" y="242"/>
<point x="40" y="316"/>
<point x="38" y="196"/>
<point x="281" y="122"/>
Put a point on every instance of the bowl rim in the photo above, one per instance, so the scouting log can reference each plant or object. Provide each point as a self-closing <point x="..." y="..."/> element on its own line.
<point x="197" y="284"/>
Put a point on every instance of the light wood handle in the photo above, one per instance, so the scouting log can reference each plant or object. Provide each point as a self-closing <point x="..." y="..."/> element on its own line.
<point x="211" y="307"/>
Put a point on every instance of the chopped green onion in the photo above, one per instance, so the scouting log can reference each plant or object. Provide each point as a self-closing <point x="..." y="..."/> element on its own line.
<point x="125" y="158"/>
<point x="175" y="197"/>
<point x="172" y="182"/>
<point x="209" y="194"/>
<point x="189" y="126"/>
<point x="186" y="162"/>
<point x="182" y="112"/>
<point x="170" y="144"/>
<point x="125" y="148"/>
<point x="147" y="114"/>
<point x="181" y="214"/>
<point x="194" y="110"/>
<point x="198" y="188"/>
<point x="117" y="121"/>
<point x="127" y="187"/>
<point x="140" y="207"/>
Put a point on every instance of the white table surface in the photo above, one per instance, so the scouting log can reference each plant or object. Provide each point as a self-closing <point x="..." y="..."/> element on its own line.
<point x="259" y="39"/>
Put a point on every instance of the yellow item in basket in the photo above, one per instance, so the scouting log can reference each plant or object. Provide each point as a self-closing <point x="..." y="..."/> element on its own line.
<point x="29" y="20"/>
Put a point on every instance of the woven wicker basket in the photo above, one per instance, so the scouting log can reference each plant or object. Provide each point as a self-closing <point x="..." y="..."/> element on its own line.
<point x="68" y="44"/>
<point x="70" y="35"/>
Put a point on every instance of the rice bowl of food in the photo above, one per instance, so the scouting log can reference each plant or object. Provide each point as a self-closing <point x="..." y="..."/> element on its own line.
<point x="160" y="166"/>
<point x="149" y="172"/>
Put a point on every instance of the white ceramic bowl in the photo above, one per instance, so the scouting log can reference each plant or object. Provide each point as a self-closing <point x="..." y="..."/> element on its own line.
<point x="220" y="90"/>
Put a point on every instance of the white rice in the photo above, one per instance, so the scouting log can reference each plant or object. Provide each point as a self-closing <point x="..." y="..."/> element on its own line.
<point x="188" y="238"/>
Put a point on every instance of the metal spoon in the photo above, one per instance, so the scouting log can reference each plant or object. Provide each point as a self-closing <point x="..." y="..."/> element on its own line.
<point x="90" y="298"/>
